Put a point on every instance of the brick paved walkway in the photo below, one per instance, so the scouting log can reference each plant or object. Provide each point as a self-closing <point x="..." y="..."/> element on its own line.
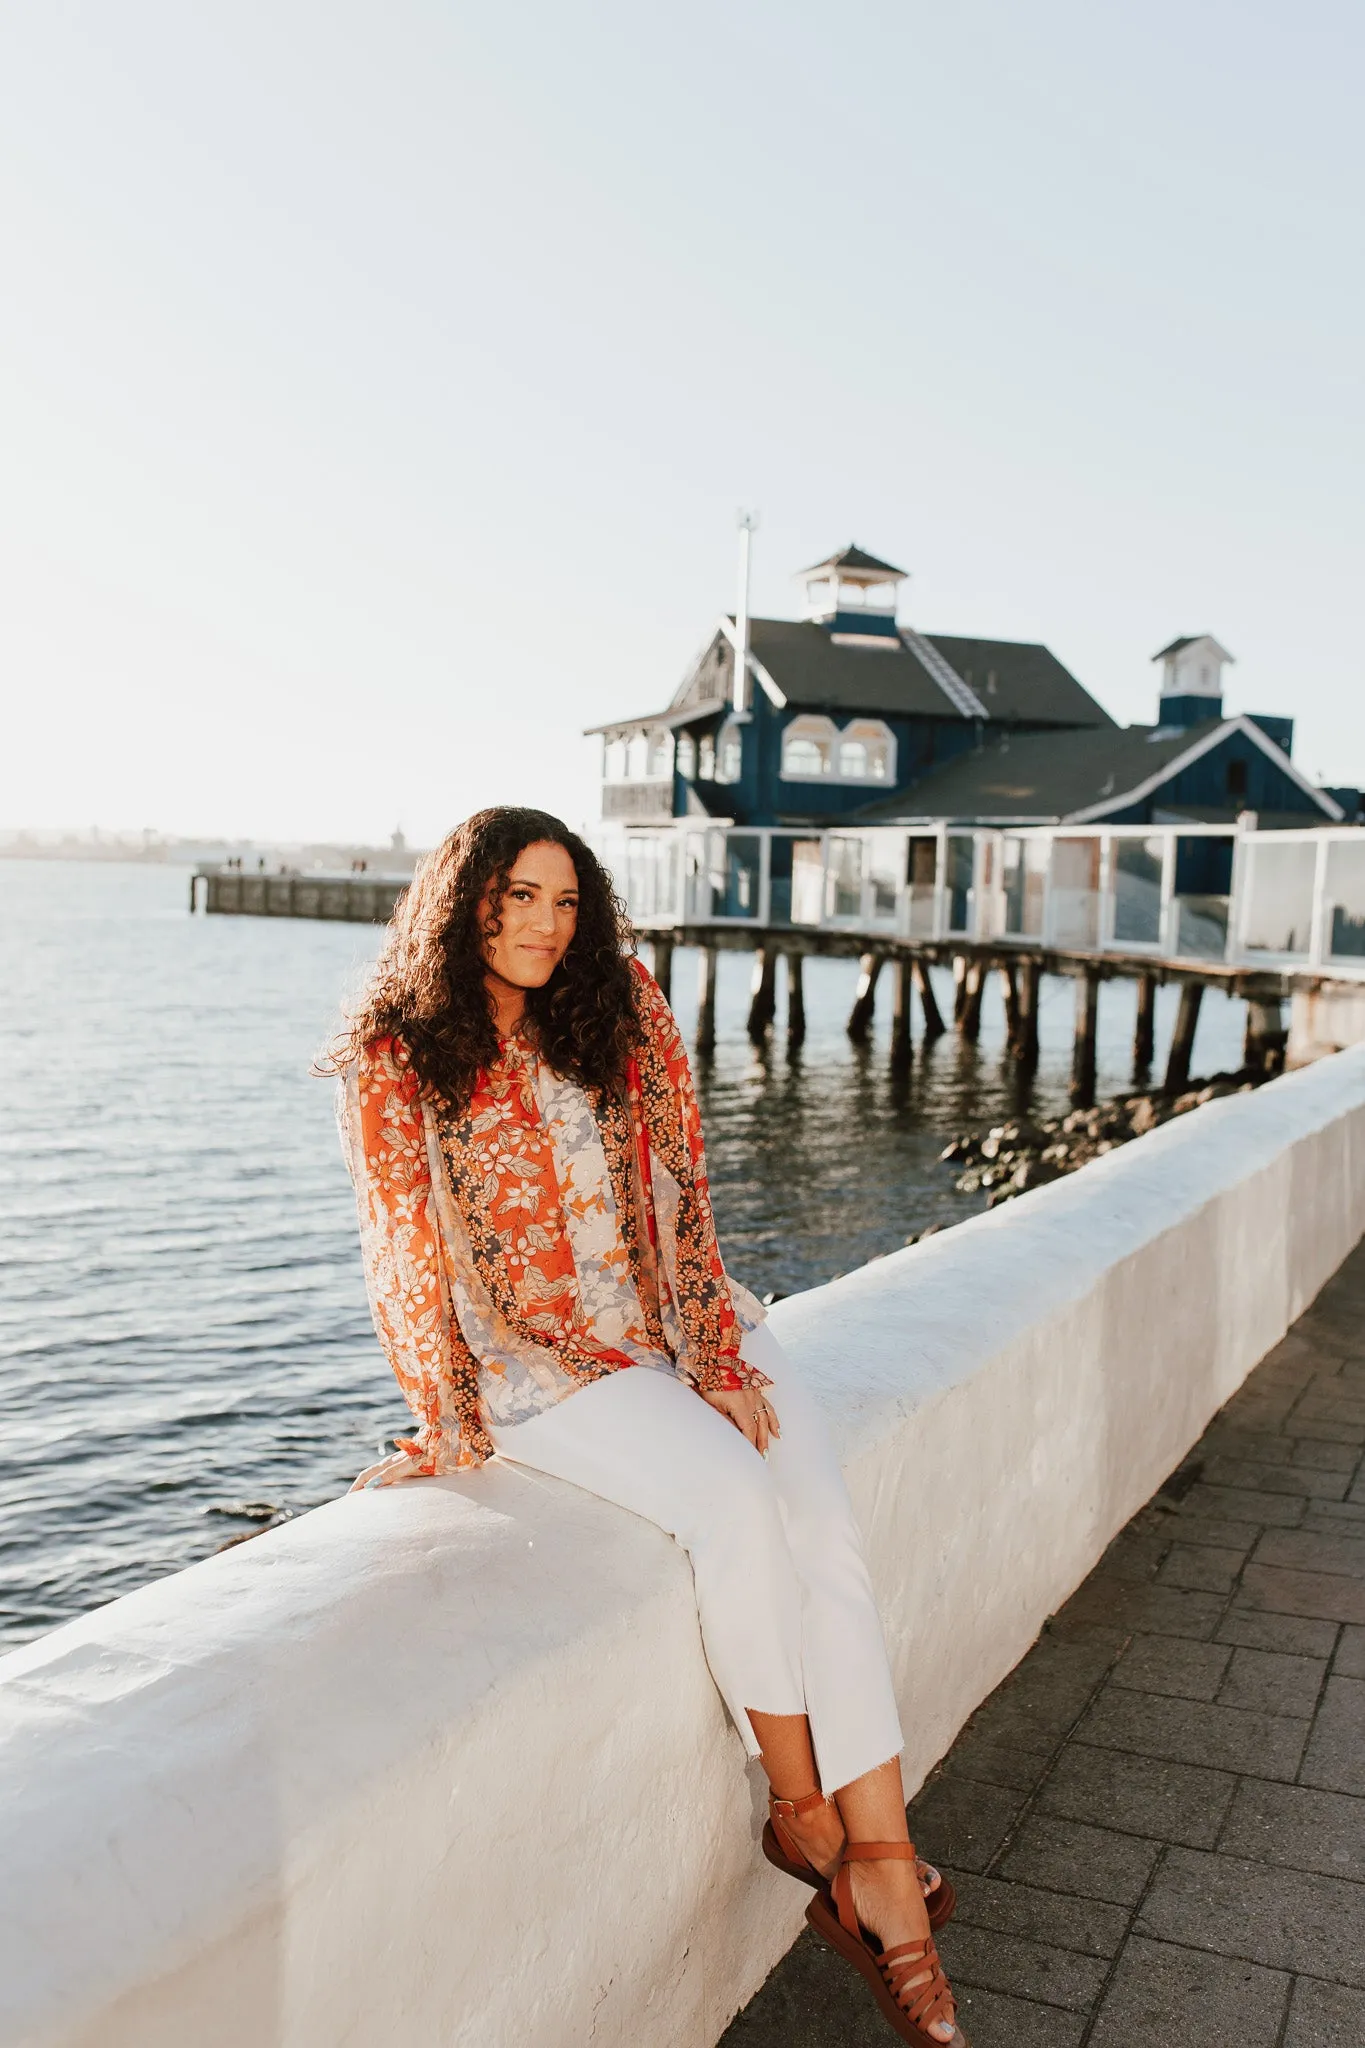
<point x="1157" y="1823"/>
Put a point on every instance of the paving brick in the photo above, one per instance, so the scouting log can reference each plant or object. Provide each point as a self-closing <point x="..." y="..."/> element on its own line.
<point x="991" y="2020"/>
<point x="1156" y="1610"/>
<point x="1214" y="1530"/>
<point x="1288" y="1919"/>
<point x="1141" y="1795"/>
<point x="1192" y="1732"/>
<point x="1241" y="1504"/>
<point x="1161" y="1993"/>
<point x="1133" y="1557"/>
<point x="1323" y="1595"/>
<point x="1171" y="1664"/>
<point x="1325" y="2016"/>
<point x="995" y="1763"/>
<point x="1298" y="1826"/>
<point x="1021" y="1968"/>
<point x="1205" y="1568"/>
<point x="1325" y="1457"/>
<point x="1090" y="1926"/>
<point x="1309" y="1426"/>
<point x="1335" y="1517"/>
<point x="1335" y="1758"/>
<point x="1077" y="1860"/>
<point x="1305" y="1479"/>
<point x="1259" y="1446"/>
<point x="1323" y="1406"/>
<point x="1292" y="1633"/>
<point x="1267" y="1682"/>
<point x="961" y="1822"/>
<point x="1304" y="1550"/>
<point x="1349" y="1661"/>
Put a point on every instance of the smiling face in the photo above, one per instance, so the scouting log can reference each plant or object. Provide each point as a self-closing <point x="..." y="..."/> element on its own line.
<point x="538" y="916"/>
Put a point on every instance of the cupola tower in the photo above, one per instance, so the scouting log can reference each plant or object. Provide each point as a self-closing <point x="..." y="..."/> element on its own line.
<point x="854" y="596"/>
<point x="1191" y="680"/>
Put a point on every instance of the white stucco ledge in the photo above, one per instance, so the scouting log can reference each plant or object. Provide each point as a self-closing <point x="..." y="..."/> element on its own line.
<point x="442" y="1767"/>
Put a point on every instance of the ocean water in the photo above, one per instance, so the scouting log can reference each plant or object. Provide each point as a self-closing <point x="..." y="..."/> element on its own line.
<point x="183" y="1327"/>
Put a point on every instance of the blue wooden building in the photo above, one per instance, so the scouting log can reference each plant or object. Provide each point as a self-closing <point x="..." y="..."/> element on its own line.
<point x="848" y="714"/>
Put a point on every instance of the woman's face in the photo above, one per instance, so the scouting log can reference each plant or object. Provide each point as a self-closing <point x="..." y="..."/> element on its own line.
<point x="538" y="915"/>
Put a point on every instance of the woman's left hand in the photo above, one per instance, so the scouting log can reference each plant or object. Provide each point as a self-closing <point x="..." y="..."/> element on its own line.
<point x="751" y="1414"/>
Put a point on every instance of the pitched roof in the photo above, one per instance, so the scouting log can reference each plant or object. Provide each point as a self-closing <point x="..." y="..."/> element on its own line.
<point x="854" y="557"/>
<point x="1042" y="777"/>
<point x="1015" y="680"/>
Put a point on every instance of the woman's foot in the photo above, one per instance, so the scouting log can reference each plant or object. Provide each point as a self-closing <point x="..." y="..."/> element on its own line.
<point x="820" y="1838"/>
<point x="888" y="1898"/>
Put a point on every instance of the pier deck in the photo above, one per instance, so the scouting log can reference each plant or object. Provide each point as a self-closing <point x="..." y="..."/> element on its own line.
<point x="1157" y="1823"/>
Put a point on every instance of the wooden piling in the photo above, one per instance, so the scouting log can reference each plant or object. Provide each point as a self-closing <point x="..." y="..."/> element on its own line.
<point x="1182" y="1044"/>
<point x="960" y="965"/>
<point x="1144" y="1033"/>
<point x="901" y="1044"/>
<point x="865" y="1002"/>
<point x="706" y="1000"/>
<point x="1010" y="985"/>
<point x="1029" y="979"/>
<point x="662" y="950"/>
<point x="796" y="1000"/>
<point x="1083" y="1051"/>
<point x="934" y="1026"/>
<point x="1263" y="1047"/>
<point x="763" y="993"/>
<point x="974" y="986"/>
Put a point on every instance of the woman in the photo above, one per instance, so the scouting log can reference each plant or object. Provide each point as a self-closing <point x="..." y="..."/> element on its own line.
<point x="542" y="1265"/>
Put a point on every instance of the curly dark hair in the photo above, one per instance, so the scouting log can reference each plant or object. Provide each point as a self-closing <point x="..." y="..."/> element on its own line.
<point x="428" y="986"/>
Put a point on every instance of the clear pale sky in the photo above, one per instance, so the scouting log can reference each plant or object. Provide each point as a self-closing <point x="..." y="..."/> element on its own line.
<point x="380" y="382"/>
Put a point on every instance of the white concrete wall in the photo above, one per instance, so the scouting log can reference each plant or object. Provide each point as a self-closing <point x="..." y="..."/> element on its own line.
<point x="442" y="1766"/>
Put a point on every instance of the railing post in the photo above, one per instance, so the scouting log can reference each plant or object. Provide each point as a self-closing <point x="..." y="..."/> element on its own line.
<point x="1320" y="936"/>
<point x="765" y="878"/>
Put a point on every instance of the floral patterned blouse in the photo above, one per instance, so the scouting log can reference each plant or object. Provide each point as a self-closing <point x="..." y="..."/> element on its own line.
<point x="542" y="1236"/>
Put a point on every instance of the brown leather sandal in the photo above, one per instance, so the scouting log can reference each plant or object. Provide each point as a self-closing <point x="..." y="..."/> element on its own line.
<point x="911" y="2007"/>
<point x="787" y="1855"/>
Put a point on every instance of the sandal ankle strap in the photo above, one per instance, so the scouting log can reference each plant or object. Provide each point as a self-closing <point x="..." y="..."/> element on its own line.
<point x="794" y="1809"/>
<point x="879" y="1852"/>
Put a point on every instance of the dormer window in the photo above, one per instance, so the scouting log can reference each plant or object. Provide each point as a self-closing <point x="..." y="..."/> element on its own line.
<point x="808" y="749"/>
<point x="867" y="752"/>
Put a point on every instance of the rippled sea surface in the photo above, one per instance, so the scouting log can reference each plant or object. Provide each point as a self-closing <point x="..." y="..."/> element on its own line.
<point x="183" y="1329"/>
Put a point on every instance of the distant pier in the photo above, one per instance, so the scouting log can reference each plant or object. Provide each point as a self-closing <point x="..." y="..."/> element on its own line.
<point x="358" y="898"/>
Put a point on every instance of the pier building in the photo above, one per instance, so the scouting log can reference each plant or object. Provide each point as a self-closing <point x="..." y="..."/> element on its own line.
<point x="847" y="714"/>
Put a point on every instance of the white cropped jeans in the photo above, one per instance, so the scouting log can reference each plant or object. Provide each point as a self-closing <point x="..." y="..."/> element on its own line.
<point x="787" y="1616"/>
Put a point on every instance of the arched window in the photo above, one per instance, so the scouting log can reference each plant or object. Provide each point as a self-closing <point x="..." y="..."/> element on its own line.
<point x="637" y="758"/>
<point x="729" y="752"/>
<point x="660" y="762"/>
<point x="808" y="749"/>
<point x="614" y="765"/>
<point x="867" y="752"/>
<point x="687" y="756"/>
<point x="706" y="758"/>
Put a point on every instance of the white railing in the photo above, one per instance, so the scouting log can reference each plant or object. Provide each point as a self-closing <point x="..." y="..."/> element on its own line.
<point x="1211" y="893"/>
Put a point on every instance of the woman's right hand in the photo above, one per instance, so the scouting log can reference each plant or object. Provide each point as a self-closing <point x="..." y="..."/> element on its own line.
<point x="751" y="1414"/>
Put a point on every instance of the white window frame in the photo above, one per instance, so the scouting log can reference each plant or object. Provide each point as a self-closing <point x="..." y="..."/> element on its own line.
<point x="822" y="732"/>
<point x="731" y="735"/>
<point x="869" y="732"/>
